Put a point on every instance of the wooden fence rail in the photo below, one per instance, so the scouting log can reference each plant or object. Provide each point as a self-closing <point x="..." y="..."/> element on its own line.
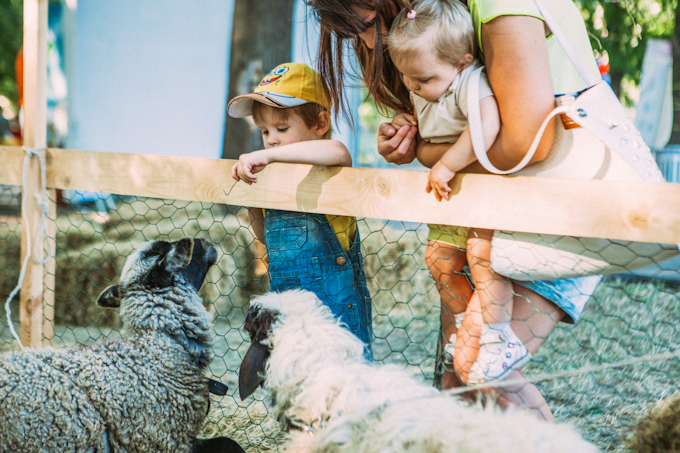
<point x="601" y="209"/>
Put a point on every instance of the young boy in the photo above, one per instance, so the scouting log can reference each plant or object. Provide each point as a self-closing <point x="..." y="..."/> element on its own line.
<point x="316" y="252"/>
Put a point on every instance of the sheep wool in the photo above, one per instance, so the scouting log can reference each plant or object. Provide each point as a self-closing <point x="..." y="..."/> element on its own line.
<point x="321" y="385"/>
<point x="143" y="393"/>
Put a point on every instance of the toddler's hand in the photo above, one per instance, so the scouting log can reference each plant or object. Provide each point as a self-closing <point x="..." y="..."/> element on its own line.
<point x="438" y="181"/>
<point x="247" y="165"/>
<point x="396" y="143"/>
<point x="404" y="119"/>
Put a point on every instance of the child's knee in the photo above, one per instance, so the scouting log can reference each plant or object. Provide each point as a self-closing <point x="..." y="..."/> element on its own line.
<point x="481" y="234"/>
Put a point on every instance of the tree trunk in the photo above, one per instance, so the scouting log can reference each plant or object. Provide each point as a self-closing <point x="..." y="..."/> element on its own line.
<point x="675" y="131"/>
<point x="616" y="79"/>
<point x="261" y="40"/>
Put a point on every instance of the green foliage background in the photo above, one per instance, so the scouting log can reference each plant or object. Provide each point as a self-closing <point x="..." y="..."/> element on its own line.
<point x="622" y="28"/>
<point x="619" y="28"/>
<point x="11" y="37"/>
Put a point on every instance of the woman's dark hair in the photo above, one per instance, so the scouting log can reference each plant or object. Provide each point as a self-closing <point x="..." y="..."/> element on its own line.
<point x="339" y="22"/>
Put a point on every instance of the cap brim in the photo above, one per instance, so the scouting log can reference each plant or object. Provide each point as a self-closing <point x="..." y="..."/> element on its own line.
<point x="242" y="106"/>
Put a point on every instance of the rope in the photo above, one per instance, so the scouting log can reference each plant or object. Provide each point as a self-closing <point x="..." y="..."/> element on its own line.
<point x="42" y="201"/>
<point x="565" y="373"/>
<point x="549" y="376"/>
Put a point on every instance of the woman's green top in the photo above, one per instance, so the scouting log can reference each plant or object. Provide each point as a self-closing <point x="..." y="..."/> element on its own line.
<point x="565" y="79"/>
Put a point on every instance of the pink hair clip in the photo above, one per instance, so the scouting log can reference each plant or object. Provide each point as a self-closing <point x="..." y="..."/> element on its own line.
<point x="411" y="14"/>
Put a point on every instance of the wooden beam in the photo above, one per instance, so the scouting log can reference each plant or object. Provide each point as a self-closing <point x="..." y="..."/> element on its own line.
<point x="37" y="307"/>
<point x="11" y="165"/>
<point x="615" y="210"/>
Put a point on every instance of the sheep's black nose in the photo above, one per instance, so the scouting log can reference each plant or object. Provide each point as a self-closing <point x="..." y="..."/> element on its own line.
<point x="208" y="250"/>
<point x="212" y="255"/>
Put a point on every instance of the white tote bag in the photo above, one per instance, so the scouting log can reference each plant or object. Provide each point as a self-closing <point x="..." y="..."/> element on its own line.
<point x="607" y="146"/>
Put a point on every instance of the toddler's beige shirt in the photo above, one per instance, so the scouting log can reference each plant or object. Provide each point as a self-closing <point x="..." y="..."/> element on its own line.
<point x="443" y="120"/>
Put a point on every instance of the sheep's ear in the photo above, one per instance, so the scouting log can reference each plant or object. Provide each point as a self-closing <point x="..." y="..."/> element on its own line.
<point x="110" y="297"/>
<point x="258" y="325"/>
<point x="179" y="256"/>
<point x="252" y="368"/>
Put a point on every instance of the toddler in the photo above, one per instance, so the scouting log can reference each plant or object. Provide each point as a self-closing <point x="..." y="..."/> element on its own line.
<point x="432" y="44"/>
<point x="317" y="252"/>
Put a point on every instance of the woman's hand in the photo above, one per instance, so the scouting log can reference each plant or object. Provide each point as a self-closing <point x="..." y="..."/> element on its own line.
<point x="396" y="141"/>
<point x="438" y="181"/>
<point x="247" y="165"/>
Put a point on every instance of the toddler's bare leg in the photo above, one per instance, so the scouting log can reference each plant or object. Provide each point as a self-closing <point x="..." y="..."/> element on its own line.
<point x="500" y="350"/>
<point x="467" y="341"/>
<point x="445" y="262"/>
<point x="495" y="291"/>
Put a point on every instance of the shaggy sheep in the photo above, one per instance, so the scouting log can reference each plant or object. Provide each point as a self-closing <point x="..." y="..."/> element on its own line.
<point x="144" y="393"/>
<point x="321" y="385"/>
<point x="659" y="431"/>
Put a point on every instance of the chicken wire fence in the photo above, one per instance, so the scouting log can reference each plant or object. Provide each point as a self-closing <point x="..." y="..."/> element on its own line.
<point x="626" y="318"/>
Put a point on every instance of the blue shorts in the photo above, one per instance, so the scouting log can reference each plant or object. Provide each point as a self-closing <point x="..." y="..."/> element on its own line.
<point x="569" y="294"/>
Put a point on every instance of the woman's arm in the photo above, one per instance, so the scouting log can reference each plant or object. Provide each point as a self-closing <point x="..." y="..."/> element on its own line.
<point x="314" y="152"/>
<point x="428" y="154"/>
<point x="519" y="74"/>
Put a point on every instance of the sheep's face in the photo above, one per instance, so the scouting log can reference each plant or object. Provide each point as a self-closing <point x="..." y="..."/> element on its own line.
<point x="160" y="264"/>
<point x="281" y="325"/>
<point x="300" y="317"/>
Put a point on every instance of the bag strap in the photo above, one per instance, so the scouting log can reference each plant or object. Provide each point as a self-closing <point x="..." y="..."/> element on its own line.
<point x="477" y="134"/>
<point x="567" y="46"/>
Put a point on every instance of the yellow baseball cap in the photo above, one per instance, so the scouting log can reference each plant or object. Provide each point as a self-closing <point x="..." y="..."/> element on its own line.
<point x="287" y="85"/>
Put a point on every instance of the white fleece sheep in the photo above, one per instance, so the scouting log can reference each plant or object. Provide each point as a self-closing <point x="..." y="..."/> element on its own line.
<point x="143" y="393"/>
<point x="318" y="379"/>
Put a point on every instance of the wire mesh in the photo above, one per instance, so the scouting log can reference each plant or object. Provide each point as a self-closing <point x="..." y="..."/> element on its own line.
<point x="626" y="317"/>
<point x="10" y="253"/>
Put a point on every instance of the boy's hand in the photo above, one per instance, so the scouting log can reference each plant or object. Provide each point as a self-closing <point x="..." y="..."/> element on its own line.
<point x="438" y="181"/>
<point x="247" y="165"/>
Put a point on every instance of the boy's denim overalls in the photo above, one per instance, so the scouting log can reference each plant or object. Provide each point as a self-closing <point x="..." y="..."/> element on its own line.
<point x="304" y="252"/>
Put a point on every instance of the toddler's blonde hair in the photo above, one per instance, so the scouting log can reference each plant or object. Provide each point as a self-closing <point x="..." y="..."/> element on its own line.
<point x="447" y="24"/>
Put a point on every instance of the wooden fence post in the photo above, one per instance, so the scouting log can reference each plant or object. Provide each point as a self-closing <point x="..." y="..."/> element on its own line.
<point x="37" y="306"/>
